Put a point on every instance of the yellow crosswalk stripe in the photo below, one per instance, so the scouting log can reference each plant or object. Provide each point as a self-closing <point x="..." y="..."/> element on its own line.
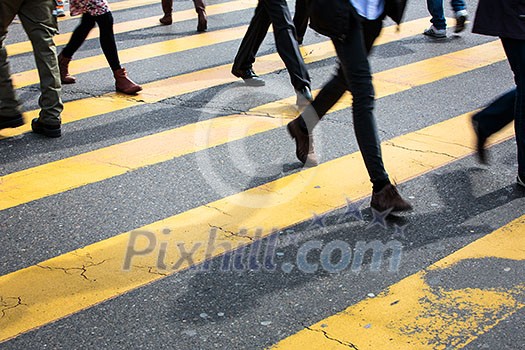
<point x="66" y="174"/>
<point x="215" y="76"/>
<point x="414" y="311"/>
<point x="71" y="282"/>
<point x="129" y="4"/>
<point x="138" y="53"/>
<point x="143" y="23"/>
<point x="117" y="6"/>
<point x="415" y="314"/>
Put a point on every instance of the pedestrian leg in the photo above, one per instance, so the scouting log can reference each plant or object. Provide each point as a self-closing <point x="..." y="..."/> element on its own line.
<point x="37" y="20"/>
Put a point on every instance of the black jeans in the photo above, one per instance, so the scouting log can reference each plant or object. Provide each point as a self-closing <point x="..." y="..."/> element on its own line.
<point x="354" y="75"/>
<point x="107" y="37"/>
<point x="300" y="18"/>
<point x="273" y="12"/>
<point x="509" y="106"/>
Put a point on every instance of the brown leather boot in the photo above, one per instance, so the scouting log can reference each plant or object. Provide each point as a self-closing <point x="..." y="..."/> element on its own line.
<point x="124" y="84"/>
<point x="389" y="199"/>
<point x="63" y="65"/>
<point x="200" y="7"/>
<point x="167" y="7"/>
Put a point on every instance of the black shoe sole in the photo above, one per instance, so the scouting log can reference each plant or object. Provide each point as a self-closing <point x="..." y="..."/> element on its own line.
<point x="254" y="81"/>
<point x="460" y="24"/>
<point x="39" y="128"/>
<point x="130" y="93"/>
<point x="12" y="122"/>
<point x="251" y="80"/>
<point x="392" y="209"/>
<point x="434" y="36"/>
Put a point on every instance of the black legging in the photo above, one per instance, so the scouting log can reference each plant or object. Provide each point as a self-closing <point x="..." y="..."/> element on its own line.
<point x="107" y="38"/>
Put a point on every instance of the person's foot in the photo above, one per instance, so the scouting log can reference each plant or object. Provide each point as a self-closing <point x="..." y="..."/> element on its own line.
<point x="481" y="152"/>
<point x="520" y="179"/>
<point x="11" y="122"/>
<point x="63" y="66"/>
<point x="59" y="11"/>
<point x="304" y="96"/>
<point x="249" y="77"/>
<point x="435" y="33"/>
<point x="166" y="19"/>
<point x="389" y="199"/>
<point x="461" y="19"/>
<point x="304" y="145"/>
<point x="46" y="130"/>
<point x="124" y="84"/>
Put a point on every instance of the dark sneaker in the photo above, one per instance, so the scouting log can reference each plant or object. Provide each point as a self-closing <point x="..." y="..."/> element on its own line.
<point x="46" y="130"/>
<point x="11" y="122"/>
<point x="435" y="33"/>
<point x="461" y="19"/>
<point x="304" y="96"/>
<point x="249" y="77"/>
<point x="389" y="199"/>
<point x="304" y="145"/>
<point x="481" y="140"/>
<point x="520" y="179"/>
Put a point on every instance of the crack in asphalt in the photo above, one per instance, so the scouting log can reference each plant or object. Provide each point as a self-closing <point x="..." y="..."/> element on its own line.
<point x="231" y="233"/>
<point x="420" y="151"/>
<point x="83" y="269"/>
<point x="219" y="210"/>
<point x="437" y="138"/>
<point x="221" y="229"/>
<point x="120" y="166"/>
<point x="4" y="306"/>
<point x="263" y="188"/>
<point x="349" y="345"/>
<point x="150" y="270"/>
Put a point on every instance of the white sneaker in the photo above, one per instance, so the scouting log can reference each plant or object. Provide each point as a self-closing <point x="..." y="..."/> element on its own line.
<point x="435" y="33"/>
<point x="461" y="19"/>
<point x="520" y="181"/>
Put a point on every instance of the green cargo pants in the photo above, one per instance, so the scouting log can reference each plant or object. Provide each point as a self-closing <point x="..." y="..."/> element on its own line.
<point x="40" y="26"/>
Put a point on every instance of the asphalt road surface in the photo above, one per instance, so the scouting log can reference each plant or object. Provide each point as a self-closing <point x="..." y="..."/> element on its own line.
<point x="180" y="218"/>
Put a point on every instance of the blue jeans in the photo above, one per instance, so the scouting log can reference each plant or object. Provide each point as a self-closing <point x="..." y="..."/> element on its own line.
<point x="509" y="106"/>
<point x="436" y="10"/>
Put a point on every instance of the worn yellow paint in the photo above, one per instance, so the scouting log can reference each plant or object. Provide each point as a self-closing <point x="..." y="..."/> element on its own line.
<point x="408" y="76"/>
<point x="102" y="164"/>
<point x="66" y="174"/>
<point x="215" y="76"/>
<point x="186" y="83"/>
<point x="138" y="53"/>
<point x="505" y="243"/>
<point x="143" y="23"/>
<point x="77" y="280"/>
<point x="411" y="314"/>
<point x="116" y="6"/>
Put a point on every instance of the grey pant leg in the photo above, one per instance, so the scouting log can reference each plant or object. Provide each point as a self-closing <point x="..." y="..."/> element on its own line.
<point x="9" y="105"/>
<point x="37" y="20"/>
